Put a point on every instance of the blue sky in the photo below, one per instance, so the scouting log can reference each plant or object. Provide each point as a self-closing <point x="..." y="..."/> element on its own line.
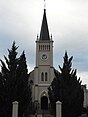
<point x="20" y="20"/>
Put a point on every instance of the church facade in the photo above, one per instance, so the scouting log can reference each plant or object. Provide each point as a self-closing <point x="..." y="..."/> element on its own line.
<point x="43" y="73"/>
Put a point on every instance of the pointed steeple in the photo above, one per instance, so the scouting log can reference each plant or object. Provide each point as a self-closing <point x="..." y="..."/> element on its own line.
<point x="44" y="33"/>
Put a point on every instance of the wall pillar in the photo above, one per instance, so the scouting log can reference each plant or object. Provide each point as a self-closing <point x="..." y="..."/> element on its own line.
<point x="58" y="109"/>
<point x="15" y="109"/>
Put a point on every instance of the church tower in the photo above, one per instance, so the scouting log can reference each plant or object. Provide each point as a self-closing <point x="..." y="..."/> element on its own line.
<point x="43" y="71"/>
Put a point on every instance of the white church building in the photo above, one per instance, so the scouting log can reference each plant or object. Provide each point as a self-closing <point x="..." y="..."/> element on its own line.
<point x="43" y="73"/>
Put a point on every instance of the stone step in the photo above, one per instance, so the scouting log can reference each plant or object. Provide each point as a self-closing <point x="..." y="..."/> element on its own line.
<point x="40" y="115"/>
<point x="44" y="116"/>
<point x="45" y="112"/>
<point x="47" y="116"/>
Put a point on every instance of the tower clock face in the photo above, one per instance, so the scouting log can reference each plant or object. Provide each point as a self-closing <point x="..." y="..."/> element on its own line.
<point x="44" y="57"/>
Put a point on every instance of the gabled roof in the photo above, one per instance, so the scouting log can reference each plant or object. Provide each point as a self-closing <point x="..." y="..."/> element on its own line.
<point x="44" y="33"/>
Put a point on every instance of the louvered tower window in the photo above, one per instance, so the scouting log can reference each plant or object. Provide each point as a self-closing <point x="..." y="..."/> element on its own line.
<point x="42" y="76"/>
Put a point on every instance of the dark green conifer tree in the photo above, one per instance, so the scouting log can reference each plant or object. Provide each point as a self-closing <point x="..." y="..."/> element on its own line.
<point x="23" y="89"/>
<point x="67" y="88"/>
<point x="16" y="83"/>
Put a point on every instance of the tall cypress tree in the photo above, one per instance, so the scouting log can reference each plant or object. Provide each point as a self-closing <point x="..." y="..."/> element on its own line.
<point x="8" y="72"/>
<point x="67" y="88"/>
<point x="15" y="80"/>
<point x="24" y="89"/>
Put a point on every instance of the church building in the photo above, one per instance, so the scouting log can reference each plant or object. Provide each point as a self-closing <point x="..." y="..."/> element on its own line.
<point x="43" y="73"/>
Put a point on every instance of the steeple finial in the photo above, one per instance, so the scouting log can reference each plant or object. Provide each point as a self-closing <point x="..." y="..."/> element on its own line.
<point x="44" y="4"/>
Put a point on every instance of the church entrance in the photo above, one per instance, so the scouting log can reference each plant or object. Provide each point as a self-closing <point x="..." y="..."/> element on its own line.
<point x="44" y="103"/>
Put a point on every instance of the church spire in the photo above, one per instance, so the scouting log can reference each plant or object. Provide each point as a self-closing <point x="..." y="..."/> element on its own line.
<point x="44" y="33"/>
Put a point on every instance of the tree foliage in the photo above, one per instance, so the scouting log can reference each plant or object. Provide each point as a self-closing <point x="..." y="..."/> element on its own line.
<point x="66" y="87"/>
<point x="14" y="84"/>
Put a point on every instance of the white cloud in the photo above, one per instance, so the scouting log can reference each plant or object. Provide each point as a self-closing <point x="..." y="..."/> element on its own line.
<point x="84" y="77"/>
<point x="30" y="67"/>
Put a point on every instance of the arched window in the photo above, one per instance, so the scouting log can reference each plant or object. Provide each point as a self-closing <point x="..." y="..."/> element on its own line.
<point x="46" y="76"/>
<point x="42" y="76"/>
<point x="45" y="47"/>
<point x="39" y="47"/>
<point x="49" y="47"/>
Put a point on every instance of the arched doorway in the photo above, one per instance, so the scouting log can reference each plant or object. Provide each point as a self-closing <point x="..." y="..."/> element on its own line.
<point x="44" y="103"/>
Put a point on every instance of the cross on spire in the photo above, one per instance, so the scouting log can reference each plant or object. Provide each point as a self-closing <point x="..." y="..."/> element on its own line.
<point x="44" y="4"/>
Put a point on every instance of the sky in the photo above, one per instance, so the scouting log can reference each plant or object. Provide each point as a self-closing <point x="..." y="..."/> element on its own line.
<point x="20" y="21"/>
